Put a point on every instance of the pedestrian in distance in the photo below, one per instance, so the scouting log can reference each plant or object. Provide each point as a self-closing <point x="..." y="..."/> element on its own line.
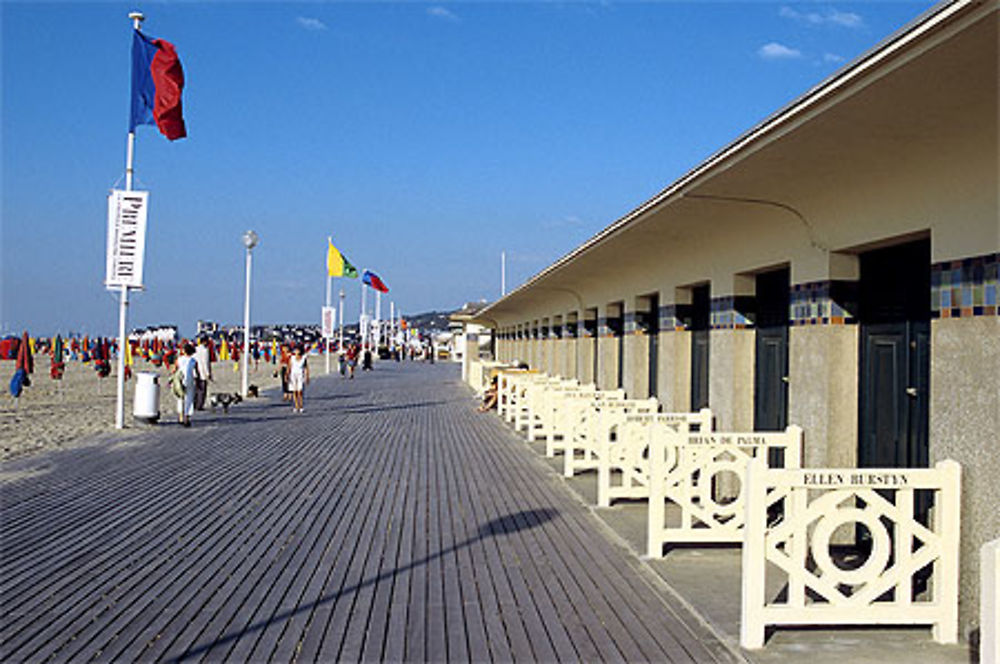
<point x="298" y="378"/>
<point x="283" y="367"/>
<point x="187" y="367"/>
<point x="202" y="357"/>
<point x="352" y="359"/>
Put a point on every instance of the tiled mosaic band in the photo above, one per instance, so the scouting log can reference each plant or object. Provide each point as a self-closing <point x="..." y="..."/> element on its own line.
<point x="731" y="313"/>
<point x="823" y="303"/>
<point x="631" y="323"/>
<point x="965" y="288"/>
<point x="669" y="319"/>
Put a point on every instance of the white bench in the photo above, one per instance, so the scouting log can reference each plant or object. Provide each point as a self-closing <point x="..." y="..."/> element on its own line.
<point x="818" y="503"/>
<point x="686" y="469"/>
<point x="624" y="451"/>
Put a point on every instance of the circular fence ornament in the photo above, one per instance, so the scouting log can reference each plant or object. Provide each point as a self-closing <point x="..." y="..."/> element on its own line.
<point x="706" y="483"/>
<point x="877" y="560"/>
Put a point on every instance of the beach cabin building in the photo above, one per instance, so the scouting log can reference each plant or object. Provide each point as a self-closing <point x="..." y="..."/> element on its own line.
<point x="836" y="267"/>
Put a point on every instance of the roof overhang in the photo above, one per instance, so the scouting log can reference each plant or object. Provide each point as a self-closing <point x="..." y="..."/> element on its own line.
<point x="859" y="120"/>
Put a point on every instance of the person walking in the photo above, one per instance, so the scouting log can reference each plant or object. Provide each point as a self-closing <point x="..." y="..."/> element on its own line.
<point x="352" y="359"/>
<point x="187" y="366"/>
<point x="202" y="357"/>
<point x="283" y="367"/>
<point x="298" y="378"/>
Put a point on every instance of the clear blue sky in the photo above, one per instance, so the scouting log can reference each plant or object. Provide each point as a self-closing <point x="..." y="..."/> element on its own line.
<point x="424" y="137"/>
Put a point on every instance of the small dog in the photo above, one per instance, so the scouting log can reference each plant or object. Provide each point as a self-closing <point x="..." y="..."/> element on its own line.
<point x="252" y="392"/>
<point x="225" y="400"/>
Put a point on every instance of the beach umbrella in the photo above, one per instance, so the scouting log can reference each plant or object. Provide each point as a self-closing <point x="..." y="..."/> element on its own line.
<point x="58" y="366"/>
<point x="24" y="358"/>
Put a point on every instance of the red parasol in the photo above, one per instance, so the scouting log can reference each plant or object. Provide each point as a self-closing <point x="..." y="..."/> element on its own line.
<point x="24" y="359"/>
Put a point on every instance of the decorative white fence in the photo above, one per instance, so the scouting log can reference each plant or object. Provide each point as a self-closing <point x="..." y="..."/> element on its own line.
<point x="989" y="603"/>
<point x="819" y="505"/>
<point x="623" y="458"/>
<point x="581" y="450"/>
<point x="686" y="470"/>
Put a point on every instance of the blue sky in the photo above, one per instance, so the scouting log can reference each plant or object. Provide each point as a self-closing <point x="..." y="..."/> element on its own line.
<point x="425" y="138"/>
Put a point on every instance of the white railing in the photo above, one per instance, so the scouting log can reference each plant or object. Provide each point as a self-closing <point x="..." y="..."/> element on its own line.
<point x="819" y="507"/>
<point x="623" y="458"/>
<point x="528" y="417"/>
<point x="989" y="603"/>
<point x="582" y="448"/>
<point x="690" y="471"/>
<point x="573" y="415"/>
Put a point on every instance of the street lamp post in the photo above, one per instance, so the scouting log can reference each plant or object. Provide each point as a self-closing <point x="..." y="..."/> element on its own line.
<point x="340" y="315"/>
<point x="250" y="240"/>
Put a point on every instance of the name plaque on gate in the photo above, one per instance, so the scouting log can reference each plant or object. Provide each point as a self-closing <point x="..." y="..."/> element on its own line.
<point x="730" y="439"/>
<point x="858" y="478"/>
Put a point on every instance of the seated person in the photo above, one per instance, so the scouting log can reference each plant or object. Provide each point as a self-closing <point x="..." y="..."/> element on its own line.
<point x="490" y="397"/>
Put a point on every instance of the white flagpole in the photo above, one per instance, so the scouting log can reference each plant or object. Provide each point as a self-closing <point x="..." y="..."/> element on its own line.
<point x="392" y="326"/>
<point x="362" y="333"/>
<point x="378" y="319"/>
<point x="137" y="19"/>
<point x="326" y="340"/>
<point x="503" y="273"/>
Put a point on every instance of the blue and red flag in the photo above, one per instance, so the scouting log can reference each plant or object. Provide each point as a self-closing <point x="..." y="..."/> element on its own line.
<point x="157" y="82"/>
<point x="371" y="279"/>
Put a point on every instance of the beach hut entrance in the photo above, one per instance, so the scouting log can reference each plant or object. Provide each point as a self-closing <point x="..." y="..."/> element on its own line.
<point x="894" y="313"/>
<point x="771" y="356"/>
<point x="701" y="316"/>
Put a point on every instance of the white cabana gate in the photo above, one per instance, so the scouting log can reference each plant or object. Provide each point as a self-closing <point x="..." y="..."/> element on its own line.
<point x="623" y="460"/>
<point x="819" y="505"/>
<point x="684" y="470"/>
<point x="581" y="451"/>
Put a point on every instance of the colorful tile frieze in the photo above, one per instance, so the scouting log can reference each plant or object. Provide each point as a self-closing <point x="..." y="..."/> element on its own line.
<point x="823" y="303"/>
<point x="965" y="288"/>
<point x="731" y="313"/>
<point x="631" y="323"/>
<point x="669" y="318"/>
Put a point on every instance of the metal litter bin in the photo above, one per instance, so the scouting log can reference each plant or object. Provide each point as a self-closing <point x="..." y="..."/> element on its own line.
<point x="146" y="405"/>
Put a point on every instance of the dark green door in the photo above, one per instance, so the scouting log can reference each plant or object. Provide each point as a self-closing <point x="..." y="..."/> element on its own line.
<point x="771" y="356"/>
<point x="894" y="311"/>
<point x="701" y="316"/>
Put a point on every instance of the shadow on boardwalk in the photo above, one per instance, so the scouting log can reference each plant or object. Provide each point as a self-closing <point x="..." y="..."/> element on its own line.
<point x="504" y="525"/>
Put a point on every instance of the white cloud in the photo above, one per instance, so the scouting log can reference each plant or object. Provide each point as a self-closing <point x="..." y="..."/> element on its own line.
<point x="833" y="58"/>
<point x="828" y="17"/>
<point x="570" y="221"/>
<point x="310" y="23"/>
<point x="441" y="12"/>
<point x="776" y="51"/>
<point x="846" y="19"/>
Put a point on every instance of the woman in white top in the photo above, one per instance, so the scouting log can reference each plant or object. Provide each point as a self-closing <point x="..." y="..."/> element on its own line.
<point x="298" y="378"/>
<point x="188" y="367"/>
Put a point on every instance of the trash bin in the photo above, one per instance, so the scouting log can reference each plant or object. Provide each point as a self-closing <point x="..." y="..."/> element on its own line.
<point x="146" y="405"/>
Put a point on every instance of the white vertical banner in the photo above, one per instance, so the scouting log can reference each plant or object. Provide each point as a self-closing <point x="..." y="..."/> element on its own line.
<point x="329" y="318"/>
<point x="127" y="212"/>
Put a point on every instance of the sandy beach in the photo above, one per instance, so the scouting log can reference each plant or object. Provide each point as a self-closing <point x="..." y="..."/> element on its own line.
<point x="54" y="414"/>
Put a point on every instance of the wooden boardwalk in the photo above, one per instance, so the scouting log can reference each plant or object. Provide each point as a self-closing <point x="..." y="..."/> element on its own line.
<point x="388" y="522"/>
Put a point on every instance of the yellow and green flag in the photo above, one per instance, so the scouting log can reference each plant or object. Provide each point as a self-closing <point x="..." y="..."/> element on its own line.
<point x="337" y="264"/>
